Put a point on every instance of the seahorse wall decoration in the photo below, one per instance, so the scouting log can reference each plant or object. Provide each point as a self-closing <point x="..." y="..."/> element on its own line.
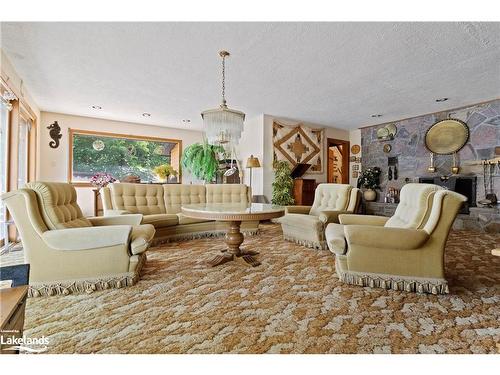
<point x="55" y="134"/>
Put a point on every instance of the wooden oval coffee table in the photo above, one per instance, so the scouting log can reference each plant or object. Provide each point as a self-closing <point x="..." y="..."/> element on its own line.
<point x="234" y="213"/>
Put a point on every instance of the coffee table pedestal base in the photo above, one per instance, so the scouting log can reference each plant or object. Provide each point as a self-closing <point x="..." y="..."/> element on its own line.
<point x="234" y="239"/>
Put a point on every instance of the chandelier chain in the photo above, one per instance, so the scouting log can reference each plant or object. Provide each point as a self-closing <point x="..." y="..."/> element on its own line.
<point x="224" y="80"/>
<point x="223" y="125"/>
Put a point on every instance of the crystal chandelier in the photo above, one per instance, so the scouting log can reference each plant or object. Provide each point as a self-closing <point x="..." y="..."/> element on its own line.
<point x="223" y="125"/>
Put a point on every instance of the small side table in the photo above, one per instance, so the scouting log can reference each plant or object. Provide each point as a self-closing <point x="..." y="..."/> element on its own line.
<point x="12" y="308"/>
<point x="7" y="245"/>
<point x="98" y="210"/>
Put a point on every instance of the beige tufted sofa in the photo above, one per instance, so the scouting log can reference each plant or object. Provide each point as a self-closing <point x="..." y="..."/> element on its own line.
<point x="161" y="205"/>
<point x="306" y="224"/>
<point x="404" y="252"/>
<point x="69" y="253"/>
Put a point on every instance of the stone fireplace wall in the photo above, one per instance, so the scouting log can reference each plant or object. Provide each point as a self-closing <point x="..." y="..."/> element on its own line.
<point x="413" y="157"/>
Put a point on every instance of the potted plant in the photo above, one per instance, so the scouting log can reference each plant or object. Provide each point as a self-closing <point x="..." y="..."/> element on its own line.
<point x="164" y="171"/>
<point x="100" y="180"/>
<point x="200" y="159"/>
<point x="370" y="180"/>
<point x="283" y="184"/>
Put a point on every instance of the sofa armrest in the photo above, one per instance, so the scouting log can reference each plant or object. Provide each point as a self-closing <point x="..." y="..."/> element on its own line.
<point x="131" y="219"/>
<point x="383" y="237"/>
<point x="87" y="238"/>
<point x="297" y="210"/>
<point x="327" y="217"/>
<point x="116" y="212"/>
<point x="363" y="220"/>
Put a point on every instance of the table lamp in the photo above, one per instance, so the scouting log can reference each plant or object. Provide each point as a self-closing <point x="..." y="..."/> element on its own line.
<point x="252" y="162"/>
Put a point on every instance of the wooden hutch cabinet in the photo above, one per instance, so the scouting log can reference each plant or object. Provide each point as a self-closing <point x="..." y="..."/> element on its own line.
<point x="303" y="188"/>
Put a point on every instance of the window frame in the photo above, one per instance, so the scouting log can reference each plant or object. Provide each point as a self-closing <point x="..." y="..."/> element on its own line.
<point x="19" y="108"/>
<point x="28" y="119"/>
<point x="72" y="132"/>
<point x="6" y="153"/>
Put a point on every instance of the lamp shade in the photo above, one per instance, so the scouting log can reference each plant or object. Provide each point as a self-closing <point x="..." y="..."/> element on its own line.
<point x="253" y="162"/>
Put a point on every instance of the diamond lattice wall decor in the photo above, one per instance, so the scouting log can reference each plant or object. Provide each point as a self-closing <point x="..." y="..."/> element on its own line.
<point x="299" y="144"/>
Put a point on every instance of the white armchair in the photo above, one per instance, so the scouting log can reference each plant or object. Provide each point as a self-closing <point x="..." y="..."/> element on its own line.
<point x="69" y="253"/>
<point x="306" y="224"/>
<point x="403" y="252"/>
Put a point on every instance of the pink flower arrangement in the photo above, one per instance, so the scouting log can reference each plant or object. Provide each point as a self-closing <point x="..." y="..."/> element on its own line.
<point x="101" y="180"/>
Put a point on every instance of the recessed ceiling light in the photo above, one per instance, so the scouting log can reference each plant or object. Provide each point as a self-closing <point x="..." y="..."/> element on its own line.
<point x="96" y="107"/>
<point x="441" y="100"/>
<point x="186" y="120"/>
<point x="145" y="114"/>
<point x="377" y="115"/>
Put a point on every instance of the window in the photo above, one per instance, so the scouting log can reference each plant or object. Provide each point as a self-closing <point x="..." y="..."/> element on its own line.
<point x="120" y="155"/>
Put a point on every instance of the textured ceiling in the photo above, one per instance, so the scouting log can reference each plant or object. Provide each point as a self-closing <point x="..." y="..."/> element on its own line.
<point x="335" y="74"/>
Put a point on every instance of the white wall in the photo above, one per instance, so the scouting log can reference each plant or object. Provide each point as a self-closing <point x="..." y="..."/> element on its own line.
<point x="54" y="162"/>
<point x="354" y="139"/>
<point x="252" y="143"/>
<point x="268" y="174"/>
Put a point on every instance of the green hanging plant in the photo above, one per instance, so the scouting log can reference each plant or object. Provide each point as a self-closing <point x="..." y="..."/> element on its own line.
<point x="200" y="159"/>
<point x="282" y="185"/>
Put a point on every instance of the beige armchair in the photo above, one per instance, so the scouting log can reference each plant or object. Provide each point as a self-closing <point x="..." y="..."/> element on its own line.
<point x="69" y="253"/>
<point x="404" y="252"/>
<point x="306" y="224"/>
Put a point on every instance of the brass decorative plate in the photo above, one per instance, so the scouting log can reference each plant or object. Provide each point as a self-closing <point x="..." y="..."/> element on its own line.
<point x="447" y="136"/>
<point x="391" y="128"/>
<point x="382" y="133"/>
<point x="355" y="149"/>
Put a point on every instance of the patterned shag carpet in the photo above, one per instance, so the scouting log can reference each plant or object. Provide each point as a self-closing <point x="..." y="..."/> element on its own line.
<point x="292" y="303"/>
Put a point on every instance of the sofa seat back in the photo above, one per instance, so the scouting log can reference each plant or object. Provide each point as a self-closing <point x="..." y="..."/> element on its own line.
<point x="149" y="199"/>
<point x="414" y="206"/>
<point x="57" y="204"/>
<point x="146" y="199"/>
<point x="175" y="195"/>
<point x="228" y="193"/>
<point x="331" y="197"/>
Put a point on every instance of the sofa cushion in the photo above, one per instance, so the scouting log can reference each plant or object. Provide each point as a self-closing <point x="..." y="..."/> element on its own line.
<point x="146" y="199"/>
<point x="183" y="219"/>
<point x="57" y="203"/>
<point x="140" y="238"/>
<point x="335" y="239"/>
<point x="175" y="195"/>
<point x="160" y="220"/>
<point x="87" y="238"/>
<point x="330" y="197"/>
<point x="228" y="193"/>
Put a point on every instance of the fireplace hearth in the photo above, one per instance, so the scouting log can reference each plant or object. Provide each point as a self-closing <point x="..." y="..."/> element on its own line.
<point x="465" y="185"/>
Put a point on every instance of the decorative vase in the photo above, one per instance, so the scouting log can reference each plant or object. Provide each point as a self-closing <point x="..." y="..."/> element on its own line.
<point x="162" y="180"/>
<point x="370" y="195"/>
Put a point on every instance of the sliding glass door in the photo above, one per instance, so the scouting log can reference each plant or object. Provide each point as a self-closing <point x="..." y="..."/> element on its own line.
<point x="22" y="151"/>
<point x="4" y="136"/>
